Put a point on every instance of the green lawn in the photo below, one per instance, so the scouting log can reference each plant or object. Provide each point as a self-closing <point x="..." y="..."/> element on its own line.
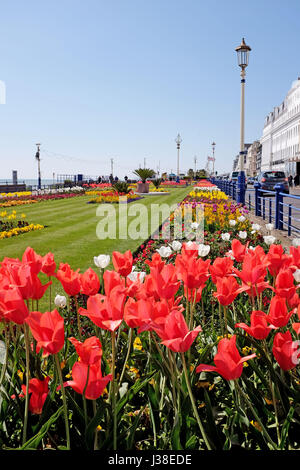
<point x="70" y="230"/>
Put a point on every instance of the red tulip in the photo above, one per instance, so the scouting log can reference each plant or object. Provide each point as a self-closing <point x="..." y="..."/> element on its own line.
<point x="229" y="363"/>
<point x="277" y="259"/>
<point x="48" y="265"/>
<point x="221" y="267"/>
<point x="284" y="284"/>
<point x="89" y="378"/>
<point x="238" y="250"/>
<point x="69" y="279"/>
<point x="122" y="262"/>
<point x="278" y="313"/>
<point x="285" y="350"/>
<point x="38" y="391"/>
<point x="38" y="288"/>
<point x="48" y="330"/>
<point x="90" y="351"/>
<point x="106" y="311"/>
<point x="295" y="253"/>
<point x="156" y="262"/>
<point x="227" y="290"/>
<point x="12" y="305"/>
<point x="21" y="276"/>
<point x="191" y="271"/>
<point x="165" y="281"/>
<point x="112" y="279"/>
<point x="34" y="260"/>
<point x="259" y="328"/>
<point x="90" y="283"/>
<point x="253" y="275"/>
<point x="137" y="313"/>
<point x="175" y="334"/>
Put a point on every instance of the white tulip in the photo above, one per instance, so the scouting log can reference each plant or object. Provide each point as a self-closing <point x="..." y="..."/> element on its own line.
<point x="241" y="218"/>
<point x="250" y="247"/>
<point x="225" y="237"/>
<point x="164" y="251"/>
<point x="232" y="223"/>
<point x="137" y="276"/>
<point x="296" y="242"/>
<point x="194" y="225"/>
<point x="176" y="245"/>
<point x="269" y="227"/>
<point x="230" y="254"/>
<point x="102" y="261"/>
<point x="297" y="275"/>
<point x="243" y="235"/>
<point x="203" y="250"/>
<point x="269" y="239"/>
<point x="60" y="301"/>
<point x="256" y="227"/>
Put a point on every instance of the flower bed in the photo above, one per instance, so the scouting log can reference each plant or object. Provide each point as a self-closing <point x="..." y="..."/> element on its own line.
<point x="12" y="224"/>
<point x="110" y="197"/>
<point x="183" y="345"/>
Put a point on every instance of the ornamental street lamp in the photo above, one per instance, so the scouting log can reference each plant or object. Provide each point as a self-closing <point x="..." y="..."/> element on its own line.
<point x="37" y="156"/>
<point x="213" y="149"/>
<point x="178" y="141"/>
<point x="243" y="58"/>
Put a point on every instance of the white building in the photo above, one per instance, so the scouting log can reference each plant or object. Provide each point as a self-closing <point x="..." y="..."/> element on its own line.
<point x="281" y="134"/>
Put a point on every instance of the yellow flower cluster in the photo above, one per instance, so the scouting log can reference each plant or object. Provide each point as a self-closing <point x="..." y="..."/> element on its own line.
<point x="18" y="230"/>
<point x="210" y="195"/>
<point x="16" y="194"/>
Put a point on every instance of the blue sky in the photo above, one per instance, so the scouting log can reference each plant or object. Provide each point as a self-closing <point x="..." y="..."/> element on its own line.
<point x="96" y="80"/>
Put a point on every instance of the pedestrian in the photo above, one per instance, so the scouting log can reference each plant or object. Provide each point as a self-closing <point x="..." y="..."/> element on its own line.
<point x="291" y="181"/>
<point x="296" y="180"/>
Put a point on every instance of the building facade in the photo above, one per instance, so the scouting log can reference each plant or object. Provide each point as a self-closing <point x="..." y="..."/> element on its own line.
<point x="281" y="134"/>
<point x="252" y="158"/>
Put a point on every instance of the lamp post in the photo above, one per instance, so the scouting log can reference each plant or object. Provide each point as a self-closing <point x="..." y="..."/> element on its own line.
<point x="213" y="149"/>
<point x="37" y="156"/>
<point x="178" y="141"/>
<point x="243" y="58"/>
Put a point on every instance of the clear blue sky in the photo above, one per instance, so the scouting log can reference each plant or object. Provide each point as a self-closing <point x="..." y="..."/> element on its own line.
<point x="97" y="79"/>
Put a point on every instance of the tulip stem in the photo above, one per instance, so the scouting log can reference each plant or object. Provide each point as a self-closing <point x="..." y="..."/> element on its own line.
<point x="4" y="366"/>
<point x="27" y="347"/>
<point x="113" y="384"/>
<point x="63" y="393"/>
<point x="83" y="395"/>
<point x="78" y="318"/>
<point x="264" y="431"/>
<point x="196" y="414"/>
<point x="129" y="345"/>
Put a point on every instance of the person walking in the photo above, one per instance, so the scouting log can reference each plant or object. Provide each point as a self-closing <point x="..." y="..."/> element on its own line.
<point x="291" y="180"/>
<point x="296" y="180"/>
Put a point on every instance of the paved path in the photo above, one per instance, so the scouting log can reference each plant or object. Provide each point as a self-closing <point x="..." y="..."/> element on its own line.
<point x="268" y="208"/>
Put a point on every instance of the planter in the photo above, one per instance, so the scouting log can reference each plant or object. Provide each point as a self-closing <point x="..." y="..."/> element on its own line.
<point x="142" y="188"/>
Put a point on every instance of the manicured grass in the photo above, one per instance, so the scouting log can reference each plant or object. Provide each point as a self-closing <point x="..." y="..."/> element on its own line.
<point x="70" y="229"/>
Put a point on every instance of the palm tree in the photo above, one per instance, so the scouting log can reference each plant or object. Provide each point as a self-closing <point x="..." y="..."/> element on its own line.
<point x="144" y="173"/>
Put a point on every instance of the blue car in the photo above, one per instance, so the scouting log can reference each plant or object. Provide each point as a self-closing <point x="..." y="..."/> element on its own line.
<point x="268" y="179"/>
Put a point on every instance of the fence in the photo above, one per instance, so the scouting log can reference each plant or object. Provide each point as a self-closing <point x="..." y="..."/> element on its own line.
<point x="276" y="206"/>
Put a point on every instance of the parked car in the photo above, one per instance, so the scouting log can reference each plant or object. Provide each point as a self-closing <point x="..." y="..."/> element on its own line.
<point x="234" y="177"/>
<point x="268" y="179"/>
<point x="251" y="180"/>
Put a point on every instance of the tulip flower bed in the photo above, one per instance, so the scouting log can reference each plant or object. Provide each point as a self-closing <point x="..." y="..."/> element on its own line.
<point x="195" y="354"/>
<point x="110" y="197"/>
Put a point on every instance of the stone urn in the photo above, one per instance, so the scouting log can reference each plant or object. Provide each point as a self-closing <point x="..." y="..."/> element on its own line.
<point x="142" y="188"/>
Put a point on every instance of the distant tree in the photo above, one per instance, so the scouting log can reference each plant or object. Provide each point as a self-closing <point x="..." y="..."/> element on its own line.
<point x="190" y="173"/>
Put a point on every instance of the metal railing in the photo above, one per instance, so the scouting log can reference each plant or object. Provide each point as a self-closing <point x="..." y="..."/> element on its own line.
<point x="274" y="206"/>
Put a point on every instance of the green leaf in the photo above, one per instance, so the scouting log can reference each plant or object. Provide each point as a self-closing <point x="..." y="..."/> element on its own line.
<point x="35" y="440"/>
<point x="137" y="387"/>
<point x="175" y="434"/>
<point x="285" y="428"/>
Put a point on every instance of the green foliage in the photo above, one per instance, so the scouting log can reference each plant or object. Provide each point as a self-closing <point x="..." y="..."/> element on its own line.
<point x="144" y="173"/>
